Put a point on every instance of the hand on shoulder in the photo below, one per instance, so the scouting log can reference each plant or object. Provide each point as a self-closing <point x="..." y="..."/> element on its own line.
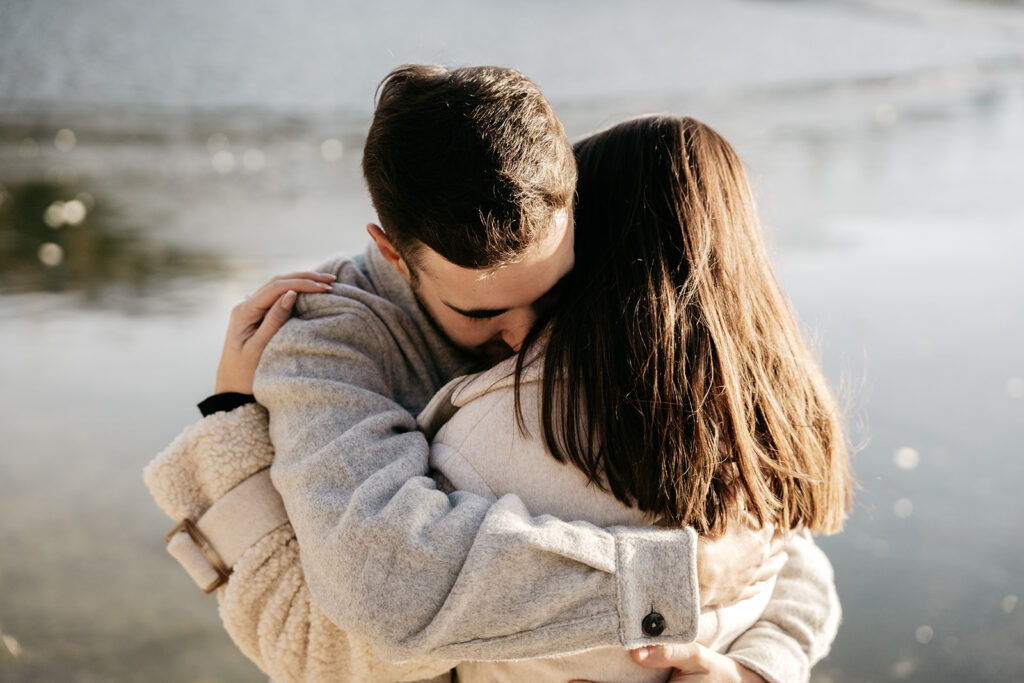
<point x="254" y="321"/>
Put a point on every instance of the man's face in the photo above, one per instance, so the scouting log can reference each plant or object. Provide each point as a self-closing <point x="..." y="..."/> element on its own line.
<point x="490" y="311"/>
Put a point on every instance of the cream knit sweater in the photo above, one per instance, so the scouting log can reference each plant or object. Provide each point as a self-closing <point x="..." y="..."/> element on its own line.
<point x="481" y="449"/>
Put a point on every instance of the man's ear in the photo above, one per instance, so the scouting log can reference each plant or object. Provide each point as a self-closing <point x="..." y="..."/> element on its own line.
<point x="388" y="251"/>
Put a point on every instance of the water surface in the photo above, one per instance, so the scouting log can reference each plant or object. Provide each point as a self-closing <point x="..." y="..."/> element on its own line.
<point x="889" y="188"/>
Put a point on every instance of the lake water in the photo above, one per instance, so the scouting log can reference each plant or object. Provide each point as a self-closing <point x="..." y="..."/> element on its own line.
<point x="885" y="143"/>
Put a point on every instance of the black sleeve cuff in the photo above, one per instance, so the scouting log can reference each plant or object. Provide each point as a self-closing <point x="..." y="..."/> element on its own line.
<point x="222" y="403"/>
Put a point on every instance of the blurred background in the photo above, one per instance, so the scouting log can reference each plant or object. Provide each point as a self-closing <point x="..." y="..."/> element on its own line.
<point x="158" y="161"/>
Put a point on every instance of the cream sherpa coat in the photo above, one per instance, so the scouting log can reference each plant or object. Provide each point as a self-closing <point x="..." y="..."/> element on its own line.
<point x="266" y="606"/>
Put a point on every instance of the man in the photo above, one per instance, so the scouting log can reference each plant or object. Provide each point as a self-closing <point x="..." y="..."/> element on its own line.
<point x="473" y="180"/>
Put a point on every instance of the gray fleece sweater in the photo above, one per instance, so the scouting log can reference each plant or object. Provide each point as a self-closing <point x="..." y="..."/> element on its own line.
<point x="269" y="613"/>
<point x="415" y="570"/>
<point x="388" y="555"/>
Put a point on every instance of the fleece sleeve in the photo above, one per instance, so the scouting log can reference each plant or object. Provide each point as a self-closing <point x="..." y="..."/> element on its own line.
<point x="799" y="623"/>
<point x="417" y="571"/>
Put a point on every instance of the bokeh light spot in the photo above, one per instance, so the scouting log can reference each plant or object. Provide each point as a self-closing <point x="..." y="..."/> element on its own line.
<point x="54" y="215"/>
<point x="51" y="254"/>
<point x="906" y="458"/>
<point x="74" y="212"/>
<point x="924" y="634"/>
<point x="223" y="161"/>
<point x="331" y="149"/>
<point x="1009" y="603"/>
<point x="65" y="140"/>
<point x="903" y="508"/>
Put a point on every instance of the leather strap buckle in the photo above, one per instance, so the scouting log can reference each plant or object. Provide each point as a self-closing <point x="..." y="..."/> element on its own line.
<point x="206" y="548"/>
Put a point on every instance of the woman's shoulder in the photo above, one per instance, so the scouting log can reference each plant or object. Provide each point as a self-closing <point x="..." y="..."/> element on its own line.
<point x="508" y="455"/>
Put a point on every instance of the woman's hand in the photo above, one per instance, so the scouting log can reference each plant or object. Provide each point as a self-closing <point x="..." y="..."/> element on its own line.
<point x="254" y="321"/>
<point x="693" y="663"/>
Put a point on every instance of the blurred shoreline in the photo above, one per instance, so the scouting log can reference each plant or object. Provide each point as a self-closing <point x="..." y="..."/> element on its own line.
<point x="155" y="123"/>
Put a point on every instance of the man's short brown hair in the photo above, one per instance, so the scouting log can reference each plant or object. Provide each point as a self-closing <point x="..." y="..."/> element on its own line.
<point x="471" y="162"/>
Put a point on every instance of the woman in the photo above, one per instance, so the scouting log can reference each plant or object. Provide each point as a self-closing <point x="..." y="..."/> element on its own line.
<point x="698" y="405"/>
<point x="683" y="394"/>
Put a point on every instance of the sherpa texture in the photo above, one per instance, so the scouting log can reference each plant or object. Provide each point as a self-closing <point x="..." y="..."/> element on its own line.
<point x="266" y="606"/>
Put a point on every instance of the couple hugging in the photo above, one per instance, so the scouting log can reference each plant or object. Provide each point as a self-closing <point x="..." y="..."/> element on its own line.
<point x="556" y="423"/>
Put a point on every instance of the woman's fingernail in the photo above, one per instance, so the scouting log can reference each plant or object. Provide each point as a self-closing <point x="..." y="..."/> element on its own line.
<point x="289" y="298"/>
<point x="331" y="276"/>
<point x="642" y="653"/>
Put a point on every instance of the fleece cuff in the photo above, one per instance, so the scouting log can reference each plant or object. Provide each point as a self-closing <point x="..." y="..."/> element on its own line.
<point x="658" y="601"/>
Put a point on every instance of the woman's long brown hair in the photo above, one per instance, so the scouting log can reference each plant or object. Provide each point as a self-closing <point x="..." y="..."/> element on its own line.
<point x="676" y="376"/>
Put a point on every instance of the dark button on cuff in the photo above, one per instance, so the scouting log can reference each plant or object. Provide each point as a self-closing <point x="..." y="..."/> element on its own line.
<point x="653" y="624"/>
